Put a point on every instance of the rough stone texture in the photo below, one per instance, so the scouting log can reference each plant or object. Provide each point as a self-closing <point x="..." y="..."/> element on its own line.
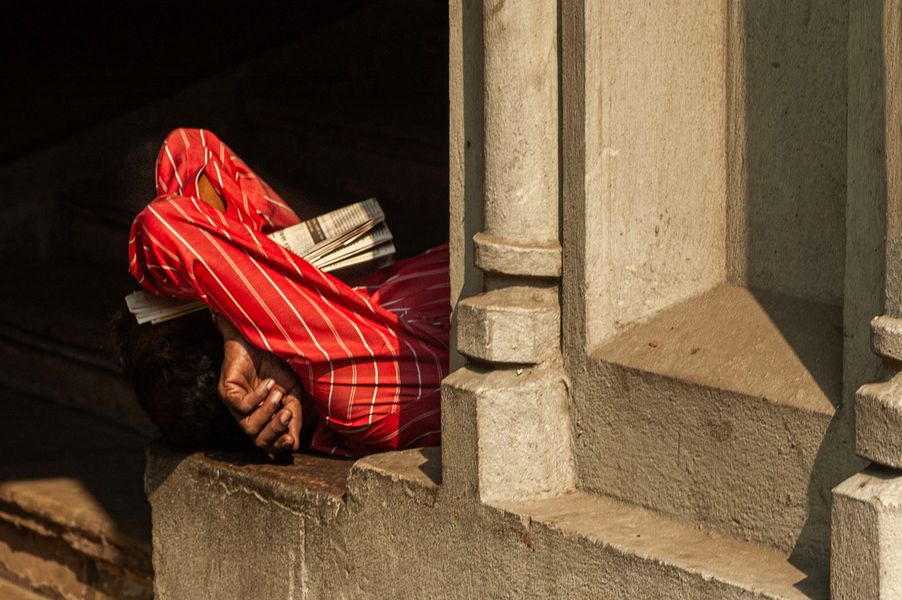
<point x="892" y="72"/>
<point x="706" y="143"/>
<point x="74" y="522"/>
<point x="398" y="533"/>
<point x="8" y="591"/>
<point x="628" y="528"/>
<point x="865" y="197"/>
<point x="520" y="120"/>
<point x="653" y="173"/>
<point x="254" y="516"/>
<point x="867" y="537"/>
<point x="510" y="325"/>
<point x="535" y="260"/>
<point x="886" y="337"/>
<point x="721" y="410"/>
<point x="466" y="152"/>
<point x="776" y="347"/>
<point x="792" y="208"/>
<point x="506" y="432"/>
<point x="878" y="422"/>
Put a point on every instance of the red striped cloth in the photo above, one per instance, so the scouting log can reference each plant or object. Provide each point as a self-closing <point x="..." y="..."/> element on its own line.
<point x="371" y="357"/>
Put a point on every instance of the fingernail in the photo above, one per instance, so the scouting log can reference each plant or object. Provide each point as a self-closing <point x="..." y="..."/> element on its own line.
<point x="276" y="397"/>
<point x="269" y="384"/>
<point x="284" y="418"/>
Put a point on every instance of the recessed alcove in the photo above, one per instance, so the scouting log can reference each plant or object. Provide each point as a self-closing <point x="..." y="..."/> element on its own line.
<point x="715" y="255"/>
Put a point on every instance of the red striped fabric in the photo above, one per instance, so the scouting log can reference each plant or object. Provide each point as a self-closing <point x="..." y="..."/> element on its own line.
<point x="371" y="357"/>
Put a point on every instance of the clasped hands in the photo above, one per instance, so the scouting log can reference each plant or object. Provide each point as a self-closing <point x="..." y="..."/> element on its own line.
<point x="261" y="391"/>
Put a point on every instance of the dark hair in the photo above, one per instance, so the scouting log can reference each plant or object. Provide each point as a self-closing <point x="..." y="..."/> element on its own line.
<point x="174" y="368"/>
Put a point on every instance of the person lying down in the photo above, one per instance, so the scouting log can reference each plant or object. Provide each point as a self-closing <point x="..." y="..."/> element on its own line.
<point x="292" y="357"/>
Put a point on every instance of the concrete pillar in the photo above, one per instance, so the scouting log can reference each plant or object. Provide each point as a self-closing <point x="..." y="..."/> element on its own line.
<point x="505" y="418"/>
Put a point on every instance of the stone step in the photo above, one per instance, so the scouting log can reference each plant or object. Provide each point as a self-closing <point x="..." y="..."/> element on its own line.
<point x="723" y="410"/>
<point x="56" y="341"/>
<point x="10" y="591"/>
<point x="325" y="529"/>
<point x="74" y="522"/>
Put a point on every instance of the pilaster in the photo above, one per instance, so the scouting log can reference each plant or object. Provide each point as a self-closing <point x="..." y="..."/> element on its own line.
<point x="506" y="430"/>
<point x="866" y="538"/>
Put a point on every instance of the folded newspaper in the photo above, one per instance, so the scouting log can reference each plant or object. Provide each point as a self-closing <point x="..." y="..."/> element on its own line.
<point x="346" y="237"/>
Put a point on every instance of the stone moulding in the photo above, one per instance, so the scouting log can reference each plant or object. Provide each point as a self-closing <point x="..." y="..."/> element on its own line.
<point x="878" y="422"/>
<point x="886" y="337"/>
<point x="514" y="325"/>
<point x="504" y="257"/>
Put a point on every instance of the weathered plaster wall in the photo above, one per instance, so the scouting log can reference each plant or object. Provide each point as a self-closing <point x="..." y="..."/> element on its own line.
<point x="655" y="141"/>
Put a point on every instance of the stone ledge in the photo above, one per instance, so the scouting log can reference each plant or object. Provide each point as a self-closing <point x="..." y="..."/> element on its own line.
<point x="886" y="337"/>
<point x="504" y="257"/>
<point x="396" y="513"/>
<point x="758" y="570"/>
<point x="314" y="485"/>
<point x="416" y="474"/>
<point x="510" y="325"/>
<point x="753" y="342"/>
<point x="878" y="422"/>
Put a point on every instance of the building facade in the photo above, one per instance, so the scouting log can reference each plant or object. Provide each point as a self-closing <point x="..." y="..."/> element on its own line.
<point x="675" y="234"/>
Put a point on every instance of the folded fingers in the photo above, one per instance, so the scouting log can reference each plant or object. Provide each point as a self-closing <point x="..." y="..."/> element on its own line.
<point x="255" y="421"/>
<point x="271" y="436"/>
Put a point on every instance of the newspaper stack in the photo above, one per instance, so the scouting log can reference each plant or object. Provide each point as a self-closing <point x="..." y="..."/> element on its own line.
<point x="346" y="237"/>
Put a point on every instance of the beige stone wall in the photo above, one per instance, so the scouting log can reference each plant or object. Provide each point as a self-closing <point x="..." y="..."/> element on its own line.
<point x="705" y="145"/>
<point x="715" y="148"/>
<point x="788" y="216"/>
<point x="655" y="153"/>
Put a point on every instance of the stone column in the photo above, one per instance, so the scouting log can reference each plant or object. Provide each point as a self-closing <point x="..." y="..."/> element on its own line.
<point x="506" y="430"/>
<point x="521" y="140"/>
<point x="867" y="508"/>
